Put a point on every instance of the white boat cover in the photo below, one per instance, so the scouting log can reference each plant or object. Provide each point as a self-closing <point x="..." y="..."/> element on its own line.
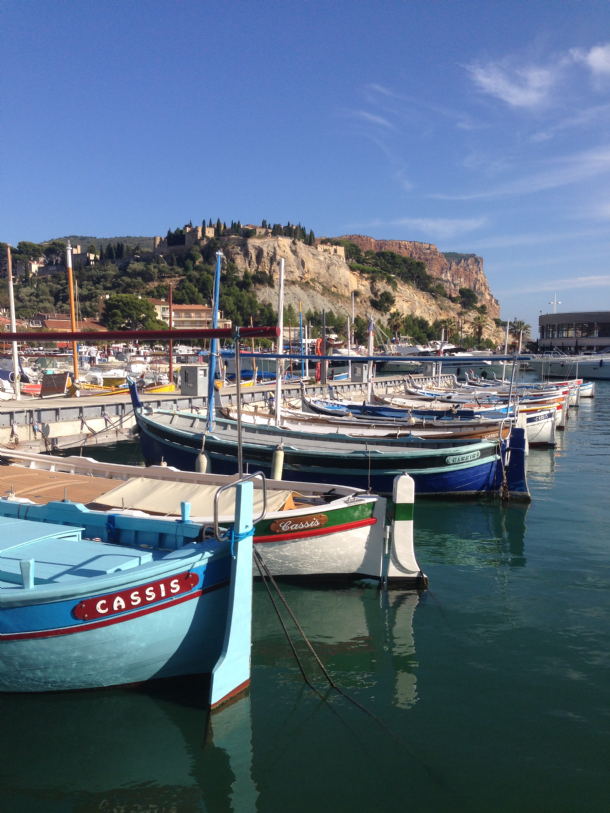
<point x="164" y="498"/>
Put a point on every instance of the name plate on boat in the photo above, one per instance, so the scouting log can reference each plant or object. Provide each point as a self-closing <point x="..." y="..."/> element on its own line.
<point x="287" y="526"/>
<point x="462" y="458"/>
<point x="136" y="597"/>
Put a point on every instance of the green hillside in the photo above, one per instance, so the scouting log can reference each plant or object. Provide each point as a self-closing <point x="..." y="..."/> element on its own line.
<point x="146" y="243"/>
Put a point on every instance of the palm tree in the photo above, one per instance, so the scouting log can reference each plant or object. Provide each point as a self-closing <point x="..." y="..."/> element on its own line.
<point x="395" y="323"/>
<point x="479" y="323"/>
<point x="450" y="326"/>
<point x="518" y="326"/>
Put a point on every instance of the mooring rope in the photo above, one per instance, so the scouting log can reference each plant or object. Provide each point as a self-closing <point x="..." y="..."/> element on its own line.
<point x="260" y="561"/>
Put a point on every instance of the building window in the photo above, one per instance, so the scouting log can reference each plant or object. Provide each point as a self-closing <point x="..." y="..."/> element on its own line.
<point x="603" y="330"/>
<point x="565" y="331"/>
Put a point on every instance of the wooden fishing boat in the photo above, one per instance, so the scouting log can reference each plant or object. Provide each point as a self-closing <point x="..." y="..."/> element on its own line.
<point x="436" y="428"/>
<point x="89" y="599"/>
<point x="448" y="467"/>
<point x="309" y="530"/>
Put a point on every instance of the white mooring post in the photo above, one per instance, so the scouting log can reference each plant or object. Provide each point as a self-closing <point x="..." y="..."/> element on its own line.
<point x="403" y="568"/>
<point x="232" y="671"/>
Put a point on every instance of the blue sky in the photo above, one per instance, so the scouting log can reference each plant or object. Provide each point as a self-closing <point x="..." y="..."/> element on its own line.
<point x="481" y="127"/>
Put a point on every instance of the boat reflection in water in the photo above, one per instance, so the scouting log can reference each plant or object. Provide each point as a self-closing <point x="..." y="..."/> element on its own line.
<point x="364" y="638"/>
<point x="119" y="750"/>
<point x="472" y="534"/>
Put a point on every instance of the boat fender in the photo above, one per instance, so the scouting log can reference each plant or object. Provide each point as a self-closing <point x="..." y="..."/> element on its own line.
<point x="203" y="463"/>
<point x="277" y="463"/>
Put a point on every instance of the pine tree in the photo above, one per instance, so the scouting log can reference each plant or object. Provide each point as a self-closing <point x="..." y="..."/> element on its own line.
<point x="264" y="224"/>
<point x="102" y="255"/>
<point x="218" y="228"/>
<point x="110" y="255"/>
<point x="312" y="238"/>
<point x="210" y="224"/>
<point x="173" y="262"/>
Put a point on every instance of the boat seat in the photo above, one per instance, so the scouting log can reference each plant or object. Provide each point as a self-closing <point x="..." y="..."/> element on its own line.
<point x="59" y="552"/>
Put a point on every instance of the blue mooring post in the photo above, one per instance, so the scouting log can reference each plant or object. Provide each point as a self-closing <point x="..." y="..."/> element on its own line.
<point x="232" y="672"/>
<point x="213" y="345"/>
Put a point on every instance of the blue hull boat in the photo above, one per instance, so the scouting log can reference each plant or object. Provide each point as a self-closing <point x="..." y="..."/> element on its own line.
<point x="459" y="468"/>
<point x="91" y="599"/>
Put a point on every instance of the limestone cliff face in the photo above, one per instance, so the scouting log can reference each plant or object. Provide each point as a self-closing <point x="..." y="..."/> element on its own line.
<point x="325" y="281"/>
<point x="464" y="271"/>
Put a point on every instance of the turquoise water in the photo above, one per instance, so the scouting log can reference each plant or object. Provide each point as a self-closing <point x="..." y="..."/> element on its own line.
<point x="491" y="689"/>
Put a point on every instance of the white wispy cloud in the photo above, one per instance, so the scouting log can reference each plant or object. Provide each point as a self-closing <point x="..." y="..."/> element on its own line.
<point x="518" y="87"/>
<point x="434" y="227"/>
<point x="373" y="119"/>
<point x="597" y="58"/>
<point x="538" y="238"/>
<point x="563" y="172"/>
<point x="598" y="281"/>
<point x="441" y="226"/>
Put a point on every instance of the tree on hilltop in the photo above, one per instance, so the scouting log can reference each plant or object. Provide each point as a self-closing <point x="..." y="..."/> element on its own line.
<point x="129" y="312"/>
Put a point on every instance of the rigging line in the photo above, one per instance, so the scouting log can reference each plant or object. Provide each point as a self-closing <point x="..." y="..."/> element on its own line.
<point x="257" y="556"/>
<point x="314" y="653"/>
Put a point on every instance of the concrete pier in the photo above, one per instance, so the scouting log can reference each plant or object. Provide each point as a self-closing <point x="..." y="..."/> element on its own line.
<point x="52" y="424"/>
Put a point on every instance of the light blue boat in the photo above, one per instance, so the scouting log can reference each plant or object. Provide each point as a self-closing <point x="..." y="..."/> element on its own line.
<point x="91" y="599"/>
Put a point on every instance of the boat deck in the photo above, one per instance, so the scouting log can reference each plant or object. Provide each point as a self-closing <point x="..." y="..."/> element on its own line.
<point x="42" y="487"/>
<point x="61" y="555"/>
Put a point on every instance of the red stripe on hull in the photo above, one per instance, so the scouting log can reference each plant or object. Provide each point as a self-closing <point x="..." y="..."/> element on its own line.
<point x="361" y="523"/>
<point x="106" y="622"/>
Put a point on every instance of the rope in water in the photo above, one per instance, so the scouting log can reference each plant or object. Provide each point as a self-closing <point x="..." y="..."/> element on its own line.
<point x="261" y="562"/>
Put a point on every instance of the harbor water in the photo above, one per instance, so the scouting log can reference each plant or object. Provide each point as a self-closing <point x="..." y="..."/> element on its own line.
<point x="488" y="692"/>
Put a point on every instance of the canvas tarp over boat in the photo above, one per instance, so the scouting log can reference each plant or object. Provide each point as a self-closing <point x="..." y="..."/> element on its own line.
<point x="164" y="498"/>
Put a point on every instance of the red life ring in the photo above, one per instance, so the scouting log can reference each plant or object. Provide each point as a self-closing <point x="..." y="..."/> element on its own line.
<point x="319" y="344"/>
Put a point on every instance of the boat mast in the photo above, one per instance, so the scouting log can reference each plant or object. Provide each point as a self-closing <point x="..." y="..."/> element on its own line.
<point x="171" y="343"/>
<point x="11" y="300"/>
<point x="370" y="351"/>
<point x="505" y="350"/>
<point x="280" y="346"/>
<point x="213" y="344"/>
<point x="301" y="338"/>
<point x="72" y="314"/>
<point x="349" y="351"/>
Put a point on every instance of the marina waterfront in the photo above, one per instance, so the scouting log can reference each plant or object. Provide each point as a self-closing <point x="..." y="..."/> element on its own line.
<point x="489" y="691"/>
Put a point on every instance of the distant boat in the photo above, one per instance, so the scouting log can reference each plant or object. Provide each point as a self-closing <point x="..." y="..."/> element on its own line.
<point x="458" y="467"/>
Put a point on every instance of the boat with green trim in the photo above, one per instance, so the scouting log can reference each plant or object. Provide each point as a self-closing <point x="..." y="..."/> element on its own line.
<point x="309" y="530"/>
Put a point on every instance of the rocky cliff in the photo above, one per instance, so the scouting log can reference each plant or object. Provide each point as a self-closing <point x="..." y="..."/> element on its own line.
<point x="325" y="281"/>
<point x="455" y="271"/>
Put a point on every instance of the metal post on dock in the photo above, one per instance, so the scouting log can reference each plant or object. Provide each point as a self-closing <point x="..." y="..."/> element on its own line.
<point x="72" y="315"/>
<point x="11" y="301"/>
<point x="280" y="346"/>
